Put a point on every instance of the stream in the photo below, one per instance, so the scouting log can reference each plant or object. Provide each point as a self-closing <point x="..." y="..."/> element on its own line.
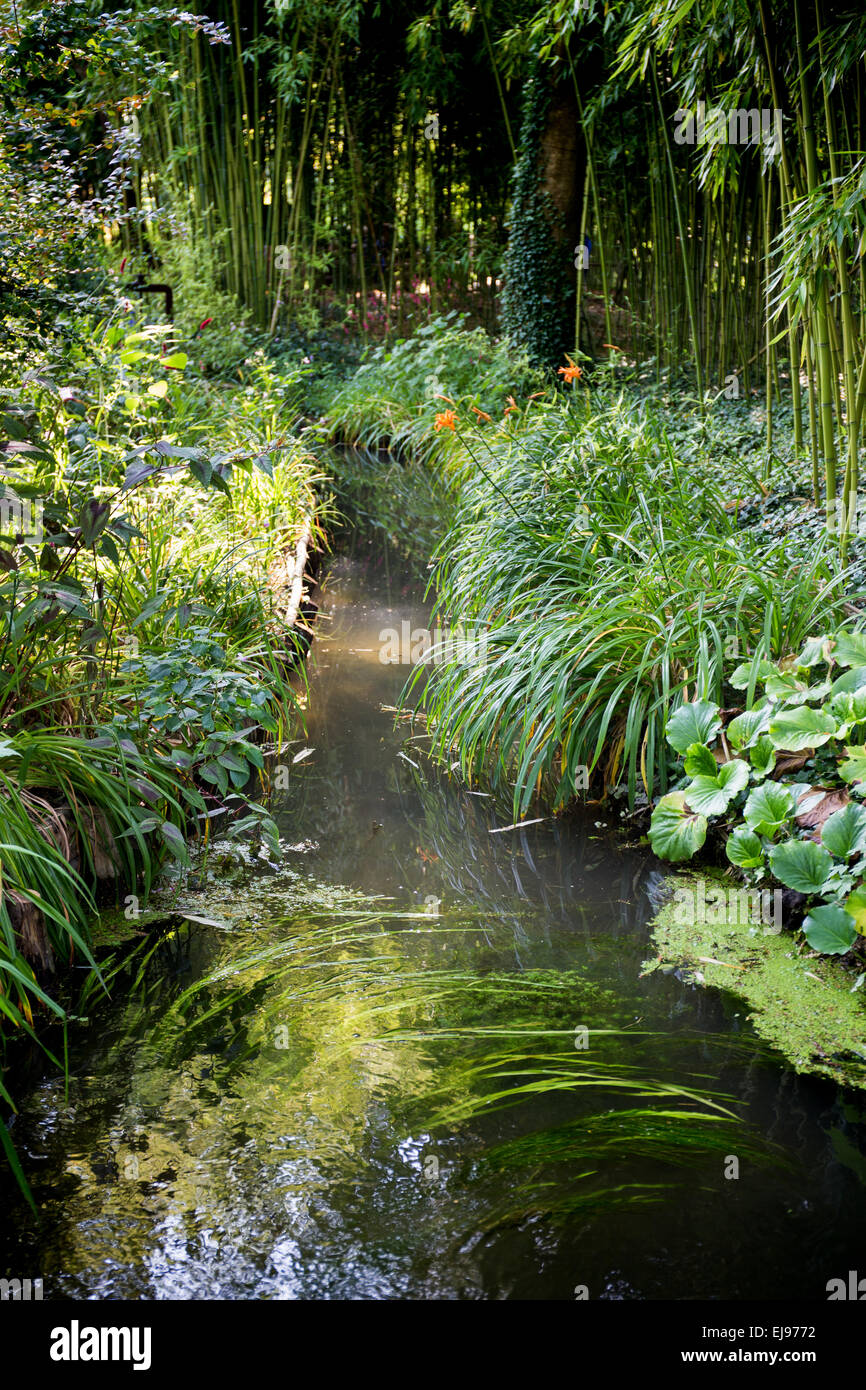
<point x="419" y="1060"/>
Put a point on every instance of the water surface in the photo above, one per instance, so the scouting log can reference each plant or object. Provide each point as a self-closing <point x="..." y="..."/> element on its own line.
<point x="419" y="1060"/>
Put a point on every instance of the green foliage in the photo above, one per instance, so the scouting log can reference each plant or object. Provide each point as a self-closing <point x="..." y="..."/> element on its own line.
<point x="538" y="299"/>
<point x="392" y="400"/>
<point x="142" y="657"/>
<point x="593" y="545"/>
<point x="784" y="833"/>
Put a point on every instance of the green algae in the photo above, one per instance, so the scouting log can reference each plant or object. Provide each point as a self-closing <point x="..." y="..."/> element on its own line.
<point x="803" y="1004"/>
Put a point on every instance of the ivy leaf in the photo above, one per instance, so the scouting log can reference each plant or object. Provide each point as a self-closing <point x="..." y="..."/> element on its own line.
<point x="697" y="722"/>
<point x="744" y="848"/>
<point x="212" y="772"/>
<point x="713" y="795"/>
<point x="178" y="451"/>
<point x="700" y="760"/>
<point x="675" y="832"/>
<point x="801" y="865"/>
<point x="830" y="930"/>
<point x="795" y="729"/>
<point x="768" y="808"/>
<point x="202" y="469"/>
<point x="844" y="832"/>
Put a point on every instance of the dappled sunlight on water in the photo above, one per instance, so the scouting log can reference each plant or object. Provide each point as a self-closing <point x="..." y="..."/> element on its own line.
<point x="419" y="1060"/>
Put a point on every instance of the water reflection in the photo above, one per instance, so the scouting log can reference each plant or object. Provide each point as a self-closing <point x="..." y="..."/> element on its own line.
<point x="419" y="1060"/>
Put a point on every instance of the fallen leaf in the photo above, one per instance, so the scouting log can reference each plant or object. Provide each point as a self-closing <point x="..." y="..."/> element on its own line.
<point x="815" y="805"/>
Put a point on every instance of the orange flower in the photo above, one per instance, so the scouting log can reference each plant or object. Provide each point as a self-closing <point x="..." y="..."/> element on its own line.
<point x="446" y="420"/>
<point x="512" y="405"/>
<point x="482" y="414"/>
<point x="571" y="372"/>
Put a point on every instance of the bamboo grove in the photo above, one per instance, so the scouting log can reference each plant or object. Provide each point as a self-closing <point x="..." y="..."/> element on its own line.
<point x="691" y="176"/>
<point x="358" y="159"/>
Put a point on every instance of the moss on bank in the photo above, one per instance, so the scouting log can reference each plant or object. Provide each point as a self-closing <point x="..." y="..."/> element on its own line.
<point x="803" y="1004"/>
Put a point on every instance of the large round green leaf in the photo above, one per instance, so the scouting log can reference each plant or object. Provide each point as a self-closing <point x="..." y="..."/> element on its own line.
<point x="675" y="832"/>
<point x="802" y="727"/>
<point x="697" y="722"/>
<point x="768" y="808"/>
<point x="814" y="651"/>
<point x="855" y="906"/>
<point x="713" y="795"/>
<point x="699" y="761"/>
<point x="742" y="674"/>
<point x="830" y="930"/>
<point x="744" y="848"/>
<point x="853" y="680"/>
<point x="844" y="832"/>
<point x="853" y="769"/>
<point x="762" y="756"/>
<point x="801" y="865"/>
<point x="849" y="648"/>
<point x="742" y="731"/>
